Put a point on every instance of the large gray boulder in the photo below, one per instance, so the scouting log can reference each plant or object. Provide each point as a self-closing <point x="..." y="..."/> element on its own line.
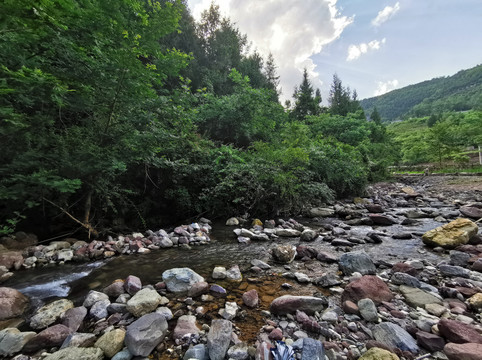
<point x="49" y="313"/>
<point x="180" y="280"/>
<point x="219" y="337"/>
<point x="394" y="336"/>
<point x="144" y="334"/>
<point x="289" y="304"/>
<point x="357" y="261"/>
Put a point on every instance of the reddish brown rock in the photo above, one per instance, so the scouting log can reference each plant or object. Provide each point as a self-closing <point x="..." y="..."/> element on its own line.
<point x="458" y="332"/>
<point x="115" y="289"/>
<point x="429" y="341"/>
<point x="198" y="288"/>
<point x="11" y="259"/>
<point x="73" y="318"/>
<point x="350" y="307"/>
<point x="276" y="334"/>
<point x="132" y="284"/>
<point x="12" y="303"/>
<point x="477" y="265"/>
<point x="374" y="208"/>
<point x="404" y="268"/>
<point x="50" y="337"/>
<point x="471" y="212"/>
<point x="325" y="256"/>
<point x="467" y="351"/>
<point x="381" y="219"/>
<point x="250" y="298"/>
<point x="289" y="304"/>
<point x="367" y="286"/>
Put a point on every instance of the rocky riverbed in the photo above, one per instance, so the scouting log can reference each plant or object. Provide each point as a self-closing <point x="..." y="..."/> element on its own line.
<point x="396" y="274"/>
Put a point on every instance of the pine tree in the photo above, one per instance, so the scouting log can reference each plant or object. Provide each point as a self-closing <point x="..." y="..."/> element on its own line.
<point x="375" y="116"/>
<point x="339" y="98"/>
<point x="305" y="102"/>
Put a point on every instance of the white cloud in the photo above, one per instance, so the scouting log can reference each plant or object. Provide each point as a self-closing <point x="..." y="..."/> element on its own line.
<point x="355" y="51"/>
<point x="384" y="87"/>
<point x="292" y="31"/>
<point x="385" y="14"/>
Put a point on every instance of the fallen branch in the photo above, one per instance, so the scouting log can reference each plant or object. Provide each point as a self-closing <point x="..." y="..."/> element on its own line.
<point x="86" y="226"/>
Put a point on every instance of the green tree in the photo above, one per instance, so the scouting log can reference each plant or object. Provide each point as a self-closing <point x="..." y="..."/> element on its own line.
<point x="305" y="101"/>
<point x="375" y="116"/>
<point x="339" y="99"/>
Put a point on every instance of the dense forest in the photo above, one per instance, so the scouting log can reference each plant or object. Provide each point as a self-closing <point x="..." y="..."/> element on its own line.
<point x="130" y="114"/>
<point x="460" y="92"/>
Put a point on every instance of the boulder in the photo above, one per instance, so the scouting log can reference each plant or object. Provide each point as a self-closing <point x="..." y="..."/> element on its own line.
<point x="198" y="288"/>
<point x="219" y="272"/>
<point x="239" y="352"/>
<point x="11" y="259"/>
<point x="53" y="336"/>
<point x="132" y="284"/>
<point x="74" y="317"/>
<point x="308" y="235"/>
<point x="467" y="351"/>
<point x="284" y="254"/>
<point x="93" y="297"/>
<point x="76" y="353"/>
<point x="229" y="311"/>
<point x="321" y="212"/>
<point x="417" y="297"/>
<point x="143" y="302"/>
<point x="186" y="324"/>
<point x="12" y="303"/>
<point x="99" y="309"/>
<point x="475" y="301"/>
<point x="451" y="235"/>
<point x="144" y="334"/>
<point x="111" y="342"/>
<point x="234" y="274"/>
<point x="219" y="337"/>
<point x="50" y="313"/>
<point x="12" y="340"/>
<point x="401" y="278"/>
<point x="368" y="310"/>
<point x="115" y="289"/>
<point x="458" y="332"/>
<point x="180" y="280"/>
<point x="379" y="219"/>
<point x="198" y="352"/>
<point x="471" y="212"/>
<point x="394" y="336"/>
<point x="368" y="286"/>
<point x="430" y="341"/>
<point x="376" y="353"/>
<point x="357" y="261"/>
<point x="289" y="304"/>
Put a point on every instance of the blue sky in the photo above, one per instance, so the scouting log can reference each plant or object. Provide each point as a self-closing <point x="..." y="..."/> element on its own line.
<point x="373" y="45"/>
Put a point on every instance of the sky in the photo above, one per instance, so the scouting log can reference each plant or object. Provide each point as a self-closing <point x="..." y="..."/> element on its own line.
<point x="374" y="46"/>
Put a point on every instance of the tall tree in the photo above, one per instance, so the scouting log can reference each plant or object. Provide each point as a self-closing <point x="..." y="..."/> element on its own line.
<point x="306" y="103"/>
<point x="375" y="116"/>
<point x="339" y="99"/>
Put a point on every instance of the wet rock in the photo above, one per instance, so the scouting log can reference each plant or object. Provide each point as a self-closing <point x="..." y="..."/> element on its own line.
<point x="132" y="284"/>
<point x="12" y="340"/>
<point x="418" y="297"/>
<point x="376" y="353"/>
<point x="467" y="351"/>
<point x="289" y="304"/>
<point x="12" y="303"/>
<point x="382" y="219"/>
<point x="112" y="342"/>
<point x="198" y="288"/>
<point x="250" y="298"/>
<point x="218" y="291"/>
<point x="368" y="286"/>
<point x="261" y="264"/>
<point x="186" y="324"/>
<point x="400" y="278"/>
<point x="76" y="353"/>
<point x="284" y="254"/>
<point x="219" y="272"/>
<point x="74" y="317"/>
<point x="451" y="235"/>
<point x="93" y="297"/>
<point x="458" y="332"/>
<point x="218" y="339"/>
<point x="471" y="212"/>
<point x="50" y="313"/>
<point x="79" y="340"/>
<point x="402" y="236"/>
<point x="198" y="352"/>
<point x="144" y="334"/>
<point x="180" y="280"/>
<point x="234" y="274"/>
<point x="430" y="342"/>
<point x="143" y="302"/>
<point x="394" y="336"/>
<point x="356" y="261"/>
<point x="50" y="337"/>
<point x="368" y="310"/>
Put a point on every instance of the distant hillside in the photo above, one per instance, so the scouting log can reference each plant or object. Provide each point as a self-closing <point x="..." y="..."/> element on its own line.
<point x="460" y="92"/>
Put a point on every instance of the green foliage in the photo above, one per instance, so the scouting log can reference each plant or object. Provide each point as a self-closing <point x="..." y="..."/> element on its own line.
<point x="305" y="101"/>
<point x="459" y="92"/>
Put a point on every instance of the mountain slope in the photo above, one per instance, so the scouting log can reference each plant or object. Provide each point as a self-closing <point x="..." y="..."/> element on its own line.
<point x="462" y="91"/>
